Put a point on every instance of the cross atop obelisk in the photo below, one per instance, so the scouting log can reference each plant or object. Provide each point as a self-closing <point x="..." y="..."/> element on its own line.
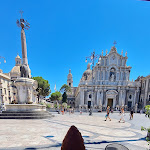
<point x="21" y="12"/>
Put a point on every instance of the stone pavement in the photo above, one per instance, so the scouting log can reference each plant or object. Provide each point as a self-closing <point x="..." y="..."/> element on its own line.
<point x="47" y="134"/>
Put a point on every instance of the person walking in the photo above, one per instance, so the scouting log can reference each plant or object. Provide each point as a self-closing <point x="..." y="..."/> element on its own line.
<point x="107" y="115"/>
<point x="122" y="115"/>
<point x="131" y="114"/>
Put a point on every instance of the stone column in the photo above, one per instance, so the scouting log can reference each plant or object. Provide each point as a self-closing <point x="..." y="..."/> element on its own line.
<point x="86" y="96"/>
<point x="81" y="97"/>
<point x="133" y="104"/>
<point x="146" y="92"/>
<point x="120" y="74"/>
<point x="137" y="96"/>
<point x="24" y="48"/>
<point x="97" y="101"/>
<point x="105" y="98"/>
<point x="120" y="98"/>
<point x="103" y="74"/>
<point x="104" y="94"/>
<point x="114" y="101"/>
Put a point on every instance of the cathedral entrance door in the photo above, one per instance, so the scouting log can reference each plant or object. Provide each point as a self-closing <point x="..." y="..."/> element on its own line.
<point x="110" y="103"/>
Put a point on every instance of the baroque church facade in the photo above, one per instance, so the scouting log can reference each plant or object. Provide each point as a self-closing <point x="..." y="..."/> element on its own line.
<point x="110" y="85"/>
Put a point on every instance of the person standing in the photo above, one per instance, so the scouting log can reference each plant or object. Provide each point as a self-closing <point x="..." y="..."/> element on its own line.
<point x="81" y="111"/>
<point x="107" y="115"/>
<point x="131" y="114"/>
<point x="141" y="111"/>
<point x="122" y="115"/>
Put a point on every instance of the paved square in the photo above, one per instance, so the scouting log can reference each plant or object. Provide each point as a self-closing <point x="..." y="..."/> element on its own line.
<point x="97" y="133"/>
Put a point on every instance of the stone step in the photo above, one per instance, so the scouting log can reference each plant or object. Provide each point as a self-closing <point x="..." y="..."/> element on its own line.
<point x="26" y="112"/>
<point x="25" y="117"/>
<point x="23" y="114"/>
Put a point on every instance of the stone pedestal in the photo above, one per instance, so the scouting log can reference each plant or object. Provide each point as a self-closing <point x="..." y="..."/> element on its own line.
<point x="25" y="108"/>
<point x="26" y="90"/>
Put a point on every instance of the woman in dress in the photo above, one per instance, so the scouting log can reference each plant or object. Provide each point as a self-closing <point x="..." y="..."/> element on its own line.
<point x="122" y="115"/>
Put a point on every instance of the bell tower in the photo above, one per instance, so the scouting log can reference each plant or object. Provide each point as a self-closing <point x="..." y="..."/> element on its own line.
<point x="70" y="79"/>
<point x="18" y="60"/>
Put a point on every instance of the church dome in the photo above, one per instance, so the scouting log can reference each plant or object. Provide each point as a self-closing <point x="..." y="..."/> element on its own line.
<point x="18" y="56"/>
<point x="87" y="73"/>
<point x="16" y="70"/>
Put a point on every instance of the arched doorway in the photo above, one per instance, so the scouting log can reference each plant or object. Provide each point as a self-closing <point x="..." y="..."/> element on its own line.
<point x="111" y="98"/>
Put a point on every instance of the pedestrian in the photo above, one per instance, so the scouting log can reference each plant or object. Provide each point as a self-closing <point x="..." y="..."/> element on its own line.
<point x="107" y="115"/>
<point x="81" y="111"/>
<point x="62" y="110"/>
<point x="122" y="115"/>
<point x="141" y="111"/>
<point x="131" y="114"/>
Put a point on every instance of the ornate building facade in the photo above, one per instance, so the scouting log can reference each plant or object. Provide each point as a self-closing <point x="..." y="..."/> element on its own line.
<point x="110" y="85"/>
<point x="145" y="91"/>
<point x="8" y="91"/>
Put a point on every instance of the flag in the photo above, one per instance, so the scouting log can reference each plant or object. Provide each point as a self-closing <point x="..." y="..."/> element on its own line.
<point x="55" y="87"/>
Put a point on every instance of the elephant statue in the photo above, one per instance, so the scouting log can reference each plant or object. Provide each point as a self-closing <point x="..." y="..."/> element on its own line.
<point x="24" y="69"/>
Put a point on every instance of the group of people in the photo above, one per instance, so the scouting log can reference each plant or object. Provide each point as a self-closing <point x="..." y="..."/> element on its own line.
<point x="122" y="114"/>
<point x="65" y="110"/>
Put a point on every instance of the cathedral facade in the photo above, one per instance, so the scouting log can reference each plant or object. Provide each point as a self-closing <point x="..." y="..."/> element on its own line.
<point x="107" y="85"/>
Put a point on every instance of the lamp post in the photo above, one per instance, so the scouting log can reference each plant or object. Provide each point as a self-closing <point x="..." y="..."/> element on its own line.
<point x="1" y="57"/>
<point x="92" y="59"/>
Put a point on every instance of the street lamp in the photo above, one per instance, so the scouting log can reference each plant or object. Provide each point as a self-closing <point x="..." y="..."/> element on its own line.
<point x="92" y="59"/>
<point x="3" y="58"/>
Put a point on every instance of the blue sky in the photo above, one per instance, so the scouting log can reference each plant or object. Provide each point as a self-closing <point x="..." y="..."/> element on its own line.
<point x="63" y="32"/>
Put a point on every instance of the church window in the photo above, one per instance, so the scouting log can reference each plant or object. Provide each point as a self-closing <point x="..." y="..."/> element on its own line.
<point x="143" y="85"/>
<point x="70" y="84"/>
<point x="130" y="97"/>
<point x="90" y="96"/>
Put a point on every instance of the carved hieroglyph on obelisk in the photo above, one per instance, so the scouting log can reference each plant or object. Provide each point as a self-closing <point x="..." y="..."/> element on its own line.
<point x="25" y="70"/>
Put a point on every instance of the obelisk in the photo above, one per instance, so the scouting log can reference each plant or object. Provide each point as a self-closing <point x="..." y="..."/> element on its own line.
<point x="24" y="47"/>
<point x="24" y="68"/>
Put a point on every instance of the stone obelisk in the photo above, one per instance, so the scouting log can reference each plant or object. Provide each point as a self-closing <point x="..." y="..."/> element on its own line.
<point x="25" y="85"/>
<point x="24" y="47"/>
<point x="24" y="69"/>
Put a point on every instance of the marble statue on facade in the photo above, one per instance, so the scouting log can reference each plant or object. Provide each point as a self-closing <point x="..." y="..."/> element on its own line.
<point x="112" y="78"/>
